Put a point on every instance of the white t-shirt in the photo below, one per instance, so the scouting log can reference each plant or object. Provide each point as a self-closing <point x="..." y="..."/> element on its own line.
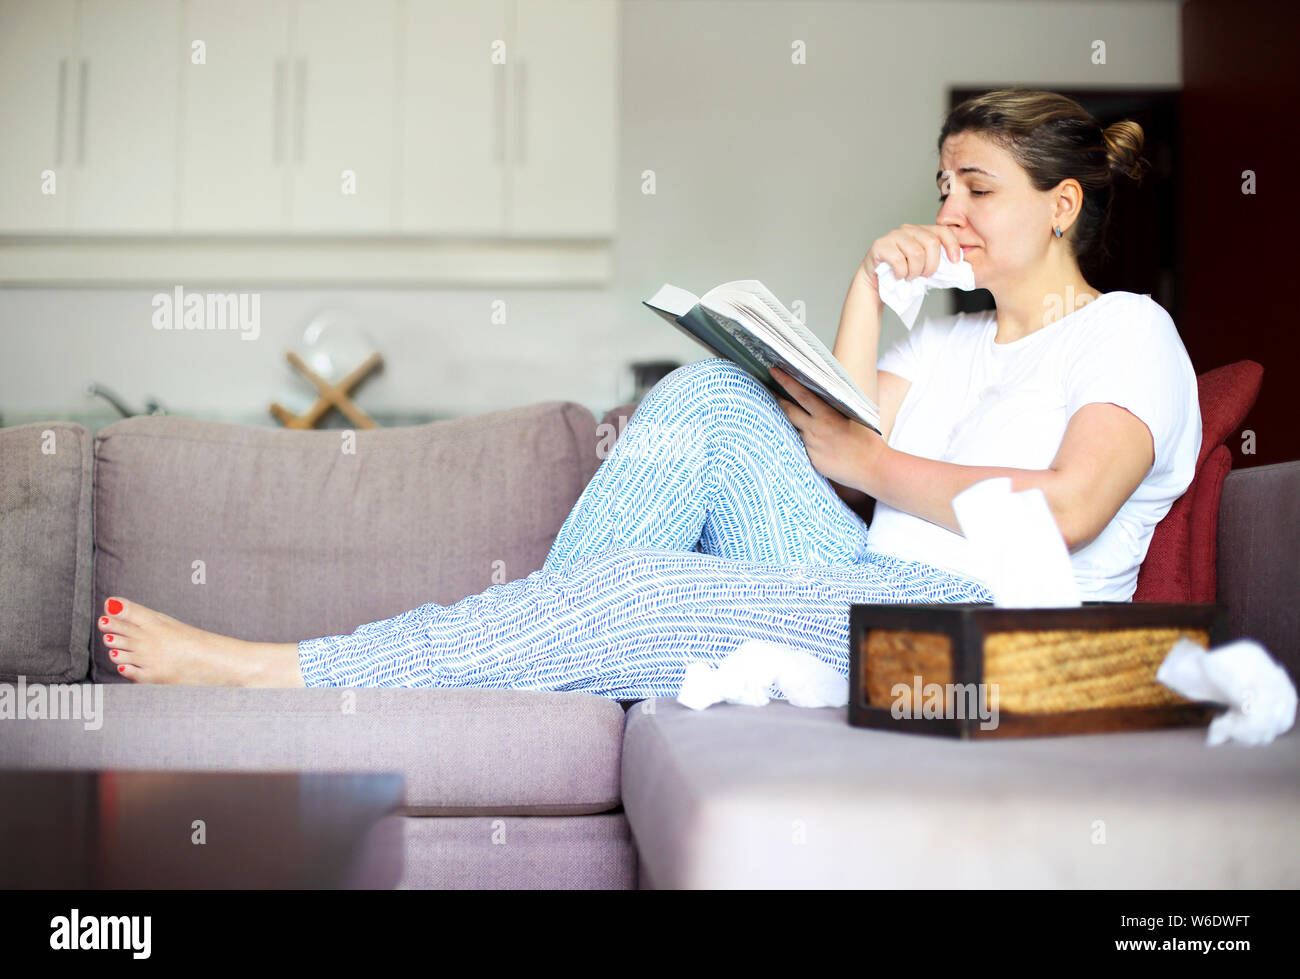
<point x="979" y="403"/>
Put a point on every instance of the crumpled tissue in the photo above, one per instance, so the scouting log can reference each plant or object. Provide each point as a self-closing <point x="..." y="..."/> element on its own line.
<point x="1017" y="541"/>
<point x="904" y="296"/>
<point x="745" y="676"/>
<point x="1260" y="697"/>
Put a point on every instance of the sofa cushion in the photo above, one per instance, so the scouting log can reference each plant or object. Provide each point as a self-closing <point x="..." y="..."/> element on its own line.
<point x="528" y="853"/>
<point x="276" y="535"/>
<point x="1204" y="525"/>
<point x="1180" y="562"/>
<point x="780" y="796"/>
<point x="611" y="426"/>
<point x="45" y="551"/>
<point x="1259" y="557"/>
<point x="461" y="752"/>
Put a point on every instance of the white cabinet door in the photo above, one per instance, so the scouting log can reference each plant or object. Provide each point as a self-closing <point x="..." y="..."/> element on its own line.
<point x="343" y="95"/>
<point x="563" y="126"/>
<point x="124" y="149"/>
<point x="37" y="68"/>
<point x="234" y="119"/>
<point x="452" y="106"/>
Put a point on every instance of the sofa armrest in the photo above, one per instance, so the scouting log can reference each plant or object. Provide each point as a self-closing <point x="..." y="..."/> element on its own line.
<point x="1259" y="557"/>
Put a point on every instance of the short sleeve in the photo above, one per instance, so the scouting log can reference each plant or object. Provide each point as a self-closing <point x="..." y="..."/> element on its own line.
<point x="1133" y="357"/>
<point x="912" y="355"/>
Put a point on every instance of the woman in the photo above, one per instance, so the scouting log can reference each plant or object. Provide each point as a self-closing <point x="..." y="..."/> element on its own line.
<point x="712" y="521"/>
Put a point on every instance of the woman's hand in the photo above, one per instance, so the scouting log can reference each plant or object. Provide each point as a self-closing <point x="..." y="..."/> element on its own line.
<point x="911" y="250"/>
<point x="839" y="448"/>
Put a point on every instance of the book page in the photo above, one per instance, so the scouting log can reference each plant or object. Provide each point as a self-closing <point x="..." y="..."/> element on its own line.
<point x="769" y="347"/>
<point x="774" y="326"/>
<point x="801" y="332"/>
<point x="673" y="300"/>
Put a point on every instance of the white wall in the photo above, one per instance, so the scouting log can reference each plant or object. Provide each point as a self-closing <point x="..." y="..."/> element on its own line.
<point x="764" y="169"/>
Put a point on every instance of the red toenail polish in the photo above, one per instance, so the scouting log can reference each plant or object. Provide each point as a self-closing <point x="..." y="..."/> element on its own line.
<point x="108" y="639"/>
<point x="114" y="606"/>
<point x="103" y="620"/>
<point x="121" y="669"/>
<point x="113" y="653"/>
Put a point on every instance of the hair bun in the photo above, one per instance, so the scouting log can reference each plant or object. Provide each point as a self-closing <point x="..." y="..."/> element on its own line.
<point x="1124" y="149"/>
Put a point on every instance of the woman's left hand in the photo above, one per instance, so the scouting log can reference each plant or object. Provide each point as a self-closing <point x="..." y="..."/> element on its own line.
<point x="839" y="448"/>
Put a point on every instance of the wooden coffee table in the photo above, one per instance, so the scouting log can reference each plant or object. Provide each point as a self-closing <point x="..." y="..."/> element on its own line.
<point x="210" y="830"/>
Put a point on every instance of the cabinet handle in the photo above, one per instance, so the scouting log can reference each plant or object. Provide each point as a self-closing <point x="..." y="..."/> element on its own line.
<point x="58" y="115"/>
<point x="520" y="87"/>
<point x="499" y="128"/>
<point x="81" y="113"/>
<point x="277" y="111"/>
<point x="299" y="105"/>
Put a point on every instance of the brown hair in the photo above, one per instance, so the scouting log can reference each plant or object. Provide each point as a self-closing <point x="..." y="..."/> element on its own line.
<point x="1053" y="138"/>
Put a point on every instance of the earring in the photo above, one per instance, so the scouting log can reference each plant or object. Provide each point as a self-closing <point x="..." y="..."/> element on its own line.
<point x="1056" y="231"/>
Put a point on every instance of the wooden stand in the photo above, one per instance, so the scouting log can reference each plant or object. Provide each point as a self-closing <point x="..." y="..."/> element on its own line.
<point x="330" y="396"/>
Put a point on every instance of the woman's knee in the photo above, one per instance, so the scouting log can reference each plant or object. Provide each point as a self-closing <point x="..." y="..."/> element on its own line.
<point x="617" y="568"/>
<point x="709" y="382"/>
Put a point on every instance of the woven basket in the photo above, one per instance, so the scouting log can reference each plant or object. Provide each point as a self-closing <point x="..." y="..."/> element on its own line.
<point x="1036" y="672"/>
<point x="1090" y="665"/>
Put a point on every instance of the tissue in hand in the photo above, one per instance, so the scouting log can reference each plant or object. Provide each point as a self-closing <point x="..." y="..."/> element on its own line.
<point x="1260" y="696"/>
<point x="745" y="675"/>
<point x="904" y="296"/>
<point x="1018" y="543"/>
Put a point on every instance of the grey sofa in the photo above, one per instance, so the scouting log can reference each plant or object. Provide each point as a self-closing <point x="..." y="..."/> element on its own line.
<point x="276" y="535"/>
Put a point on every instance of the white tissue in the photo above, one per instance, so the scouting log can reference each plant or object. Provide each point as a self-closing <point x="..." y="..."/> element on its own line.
<point x="1016" y="540"/>
<point x="904" y="296"/>
<point x="745" y="675"/>
<point x="1260" y="697"/>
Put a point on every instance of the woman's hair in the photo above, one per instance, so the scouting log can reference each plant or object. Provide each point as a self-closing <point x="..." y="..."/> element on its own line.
<point x="1053" y="138"/>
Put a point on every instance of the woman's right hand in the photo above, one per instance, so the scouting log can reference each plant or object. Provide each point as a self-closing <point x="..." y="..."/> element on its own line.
<point x="911" y="250"/>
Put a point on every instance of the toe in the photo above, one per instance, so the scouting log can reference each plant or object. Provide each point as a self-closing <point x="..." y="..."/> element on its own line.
<point x="129" y="612"/>
<point x="111" y="623"/>
<point x="124" y="657"/>
<point x="132" y="673"/>
<point x="116" y="644"/>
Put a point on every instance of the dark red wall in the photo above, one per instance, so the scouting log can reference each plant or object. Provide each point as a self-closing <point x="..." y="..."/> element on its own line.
<point x="1240" y="111"/>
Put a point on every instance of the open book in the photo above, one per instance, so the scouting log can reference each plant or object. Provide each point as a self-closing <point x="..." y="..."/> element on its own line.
<point x="743" y="322"/>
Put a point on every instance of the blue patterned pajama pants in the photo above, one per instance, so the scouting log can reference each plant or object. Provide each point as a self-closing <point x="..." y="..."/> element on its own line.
<point x="705" y="526"/>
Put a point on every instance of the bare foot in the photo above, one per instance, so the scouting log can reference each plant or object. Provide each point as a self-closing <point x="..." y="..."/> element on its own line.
<point x="149" y="647"/>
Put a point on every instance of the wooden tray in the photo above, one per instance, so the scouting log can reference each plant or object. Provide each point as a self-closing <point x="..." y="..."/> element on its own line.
<point x="975" y="671"/>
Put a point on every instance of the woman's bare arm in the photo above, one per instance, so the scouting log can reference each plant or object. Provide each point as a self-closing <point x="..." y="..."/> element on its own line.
<point x="1104" y="455"/>
<point x="910" y="250"/>
<point x="857" y="348"/>
<point x="857" y="341"/>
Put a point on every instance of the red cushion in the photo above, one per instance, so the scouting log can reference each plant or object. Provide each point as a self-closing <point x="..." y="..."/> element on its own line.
<point x="1180" y="561"/>
<point x="1205" y="525"/>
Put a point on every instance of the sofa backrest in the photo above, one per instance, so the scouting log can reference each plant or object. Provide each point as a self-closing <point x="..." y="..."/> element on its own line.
<point x="45" y="552"/>
<point x="278" y="535"/>
<point x="1259" y="557"/>
<point x="299" y="538"/>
